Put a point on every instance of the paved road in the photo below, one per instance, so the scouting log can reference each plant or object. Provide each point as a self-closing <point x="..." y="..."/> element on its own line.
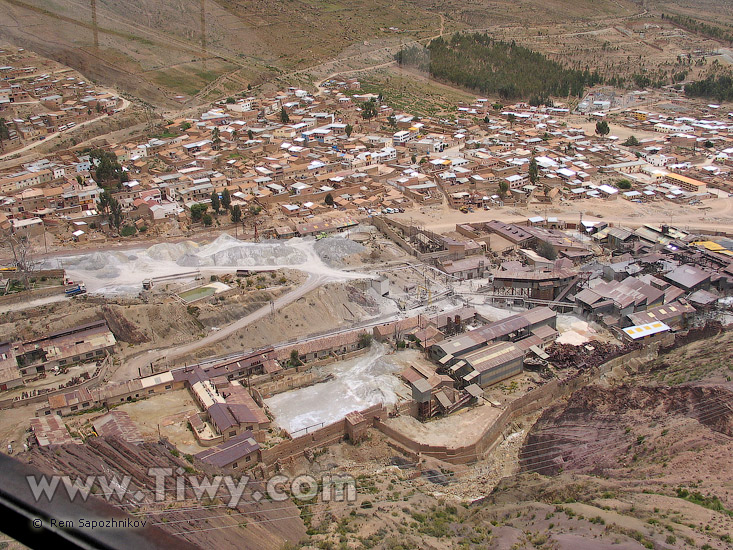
<point x="129" y="369"/>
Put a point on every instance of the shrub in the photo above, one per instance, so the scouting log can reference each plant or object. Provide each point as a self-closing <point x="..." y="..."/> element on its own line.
<point x="128" y="231"/>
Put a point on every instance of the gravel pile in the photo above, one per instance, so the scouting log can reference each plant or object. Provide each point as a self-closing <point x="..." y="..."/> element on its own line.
<point x="333" y="250"/>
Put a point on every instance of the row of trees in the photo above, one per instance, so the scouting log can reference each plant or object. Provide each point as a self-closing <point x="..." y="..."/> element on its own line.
<point x="700" y="27"/>
<point x="479" y="62"/>
<point x="221" y="204"/>
<point x="110" y="207"/>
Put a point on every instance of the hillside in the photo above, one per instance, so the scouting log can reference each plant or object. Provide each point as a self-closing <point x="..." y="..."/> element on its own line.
<point x="154" y="49"/>
<point x="639" y="460"/>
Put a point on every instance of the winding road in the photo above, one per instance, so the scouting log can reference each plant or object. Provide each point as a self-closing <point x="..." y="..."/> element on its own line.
<point x="130" y="368"/>
<point x="56" y="135"/>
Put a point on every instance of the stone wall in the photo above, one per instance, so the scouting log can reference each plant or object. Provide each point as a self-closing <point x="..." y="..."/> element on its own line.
<point x="286" y="452"/>
<point x="528" y="403"/>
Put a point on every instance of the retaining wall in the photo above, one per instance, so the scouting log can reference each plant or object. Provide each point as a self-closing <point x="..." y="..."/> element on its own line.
<point x="30" y="295"/>
<point x="288" y="451"/>
<point x="528" y="403"/>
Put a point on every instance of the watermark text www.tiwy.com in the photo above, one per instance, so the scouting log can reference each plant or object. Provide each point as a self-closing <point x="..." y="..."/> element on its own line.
<point x="173" y="485"/>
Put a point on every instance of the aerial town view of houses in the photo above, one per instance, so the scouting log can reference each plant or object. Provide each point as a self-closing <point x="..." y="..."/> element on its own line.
<point x="491" y="310"/>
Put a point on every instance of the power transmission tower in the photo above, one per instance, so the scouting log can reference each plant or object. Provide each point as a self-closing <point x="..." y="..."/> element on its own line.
<point x="203" y="33"/>
<point x="95" y="29"/>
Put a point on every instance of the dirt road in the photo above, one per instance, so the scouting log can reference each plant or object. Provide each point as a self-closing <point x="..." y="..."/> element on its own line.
<point x="130" y="369"/>
<point x="56" y="135"/>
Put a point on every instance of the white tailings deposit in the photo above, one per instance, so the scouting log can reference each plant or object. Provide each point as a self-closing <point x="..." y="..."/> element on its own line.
<point x="122" y="272"/>
<point x="356" y="384"/>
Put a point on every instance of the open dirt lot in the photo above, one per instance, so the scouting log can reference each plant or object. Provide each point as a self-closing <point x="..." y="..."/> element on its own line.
<point x="461" y="427"/>
<point x="166" y="414"/>
<point x="719" y="217"/>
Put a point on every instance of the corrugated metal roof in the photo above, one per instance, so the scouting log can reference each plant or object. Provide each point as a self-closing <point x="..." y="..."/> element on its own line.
<point x="641" y="331"/>
<point x="230" y="451"/>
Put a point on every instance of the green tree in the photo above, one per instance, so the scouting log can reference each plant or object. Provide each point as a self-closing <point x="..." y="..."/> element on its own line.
<point x="250" y="135"/>
<point x="369" y="109"/>
<point x="111" y="207"/>
<point x="503" y="188"/>
<point x="207" y="219"/>
<point x="546" y="250"/>
<point x="185" y="125"/>
<point x="365" y="340"/>
<point x="198" y="211"/>
<point x="215" y="139"/>
<point x="215" y="202"/>
<point x="103" y="202"/>
<point x="284" y="118"/>
<point x="107" y="168"/>
<point x="512" y="118"/>
<point x="255" y="209"/>
<point x="329" y="199"/>
<point x="128" y="231"/>
<point x="623" y="184"/>
<point x="295" y="358"/>
<point x="349" y="129"/>
<point x="631" y="142"/>
<point x="602" y="128"/>
<point x="115" y="213"/>
<point x="236" y="213"/>
<point x="230" y="100"/>
<point x="226" y="199"/>
<point x="534" y="172"/>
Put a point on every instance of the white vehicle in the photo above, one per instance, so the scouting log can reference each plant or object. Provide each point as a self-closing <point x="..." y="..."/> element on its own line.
<point x="62" y="128"/>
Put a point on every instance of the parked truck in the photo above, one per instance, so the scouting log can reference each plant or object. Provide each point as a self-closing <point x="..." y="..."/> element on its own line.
<point x="76" y="290"/>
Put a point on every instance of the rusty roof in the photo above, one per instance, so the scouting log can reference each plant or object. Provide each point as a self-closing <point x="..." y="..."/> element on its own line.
<point x="230" y="451"/>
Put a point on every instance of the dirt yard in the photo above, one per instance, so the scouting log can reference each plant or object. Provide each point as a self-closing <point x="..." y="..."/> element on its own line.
<point x="719" y="217"/>
<point x="166" y="414"/>
<point x="460" y="428"/>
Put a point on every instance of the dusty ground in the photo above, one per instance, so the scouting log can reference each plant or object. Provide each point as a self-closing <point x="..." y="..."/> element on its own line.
<point x="166" y="415"/>
<point x="15" y="427"/>
<point x="719" y="217"/>
<point x="455" y="430"/>
<point x="52" y="381"/>
<point x="326" y="308"/>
